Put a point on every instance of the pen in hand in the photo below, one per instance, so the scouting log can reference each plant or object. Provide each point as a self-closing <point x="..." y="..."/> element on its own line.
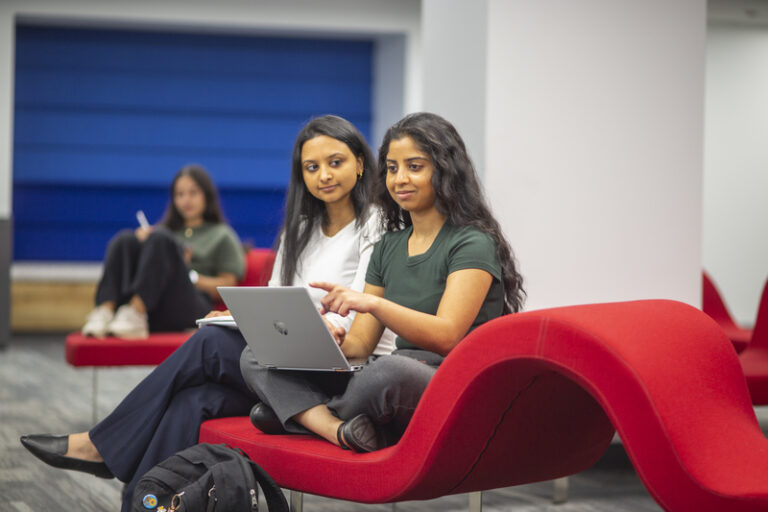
<point x="143" y="222"/>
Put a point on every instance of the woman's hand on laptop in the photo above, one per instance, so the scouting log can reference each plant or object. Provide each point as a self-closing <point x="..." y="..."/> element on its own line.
<point x="337" y="331"/>
<point x="218" y="313"/>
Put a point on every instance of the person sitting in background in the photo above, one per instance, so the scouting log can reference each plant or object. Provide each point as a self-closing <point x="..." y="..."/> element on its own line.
<point x="164" y="277"/>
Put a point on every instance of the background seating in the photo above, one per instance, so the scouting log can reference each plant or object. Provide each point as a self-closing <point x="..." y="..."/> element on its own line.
<point x="85" y="351"/>
<point x="536" y="395"/>
<point x="754" y="360"/>
<point x="714" y="305"/>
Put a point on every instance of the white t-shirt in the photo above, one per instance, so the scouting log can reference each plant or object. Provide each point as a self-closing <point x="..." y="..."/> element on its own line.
<point x="339" y="259"/>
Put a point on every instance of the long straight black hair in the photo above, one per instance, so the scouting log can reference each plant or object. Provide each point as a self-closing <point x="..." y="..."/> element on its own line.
<point x="303" y="210"/>
<point x="458" y="195"/>
<point x="172" y="218"/>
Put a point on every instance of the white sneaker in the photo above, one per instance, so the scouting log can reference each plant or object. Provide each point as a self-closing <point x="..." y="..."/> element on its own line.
<point x="128" y="323"/>
<point x="97" y="321"/>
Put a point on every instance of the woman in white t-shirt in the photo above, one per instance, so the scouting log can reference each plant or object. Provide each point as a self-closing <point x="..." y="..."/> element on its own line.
<point x="328" y="235"/>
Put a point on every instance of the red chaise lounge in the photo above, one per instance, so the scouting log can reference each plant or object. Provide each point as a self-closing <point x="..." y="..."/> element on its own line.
<point x="536" y="396"/>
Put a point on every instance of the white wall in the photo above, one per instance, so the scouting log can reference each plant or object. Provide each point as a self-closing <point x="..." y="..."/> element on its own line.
<point x="735" y="220"/>
<point x="594" y="139"/>
<point x="453" y="36"/>
<point x="389" y="104"/>
<point x="395" y="24"/>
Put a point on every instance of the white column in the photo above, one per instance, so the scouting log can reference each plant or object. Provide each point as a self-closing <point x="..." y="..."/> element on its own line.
<point x="6" y="158"/>
<point x="592" y="142"/>
<point x="454" y="43"/>
<point x="7" y="45"/>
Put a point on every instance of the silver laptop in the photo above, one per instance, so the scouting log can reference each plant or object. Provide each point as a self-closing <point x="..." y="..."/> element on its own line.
<point x="284" y="328"/>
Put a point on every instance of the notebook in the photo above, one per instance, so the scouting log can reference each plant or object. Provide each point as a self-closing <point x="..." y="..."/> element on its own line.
<point x="284" y="329"/>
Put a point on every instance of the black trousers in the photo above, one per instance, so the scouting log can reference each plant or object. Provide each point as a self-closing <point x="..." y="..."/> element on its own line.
<point x="163" y="413"/>
<point x="155" y="271"/>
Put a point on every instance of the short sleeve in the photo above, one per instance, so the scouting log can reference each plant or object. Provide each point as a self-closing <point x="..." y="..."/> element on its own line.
<point x="374" y="275"/>
<point x="230" y="255"/>
<point x="474" y="249"/>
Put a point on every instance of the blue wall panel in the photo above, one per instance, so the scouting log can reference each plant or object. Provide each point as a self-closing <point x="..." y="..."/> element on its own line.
<point x="104" y="119"/>
<point x="78" y="233"/>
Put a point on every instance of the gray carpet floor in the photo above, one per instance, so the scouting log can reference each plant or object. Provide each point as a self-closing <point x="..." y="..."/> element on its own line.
<point x="39" y="393"/>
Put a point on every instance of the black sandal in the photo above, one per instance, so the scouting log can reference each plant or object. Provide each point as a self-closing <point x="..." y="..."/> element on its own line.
<point x="358" y="434"/>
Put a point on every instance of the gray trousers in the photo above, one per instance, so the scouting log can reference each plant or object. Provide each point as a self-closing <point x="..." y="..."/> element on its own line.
<point x="387" y="389"/>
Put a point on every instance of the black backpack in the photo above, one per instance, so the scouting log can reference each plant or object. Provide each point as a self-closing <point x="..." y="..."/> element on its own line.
<point x="206" y="478"/>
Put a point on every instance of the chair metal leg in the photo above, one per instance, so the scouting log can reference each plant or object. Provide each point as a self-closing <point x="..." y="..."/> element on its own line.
<point x="476" y="501"/>
<point x="560" y="493"/>
<point x="297" y="501"/>
<point x="94" y="396"/>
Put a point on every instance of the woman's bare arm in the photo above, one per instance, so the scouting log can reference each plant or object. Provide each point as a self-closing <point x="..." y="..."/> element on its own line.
<point x="465" y="291"/>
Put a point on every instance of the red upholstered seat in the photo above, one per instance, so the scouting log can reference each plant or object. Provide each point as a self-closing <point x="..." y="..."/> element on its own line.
<point x="714" y="306"/>
<point x="754" y="360"/>
<point x="86" y="351"/>
<point x="534" y="396"/>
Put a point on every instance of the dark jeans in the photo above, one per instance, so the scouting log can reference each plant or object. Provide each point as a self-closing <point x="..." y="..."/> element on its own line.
<point x="163" y="413"/>
<point x="155" y="271"/>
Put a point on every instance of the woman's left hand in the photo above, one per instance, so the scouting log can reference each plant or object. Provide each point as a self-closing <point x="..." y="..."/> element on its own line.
<point x="336" y="331"/>
<point x="342" y="300"/>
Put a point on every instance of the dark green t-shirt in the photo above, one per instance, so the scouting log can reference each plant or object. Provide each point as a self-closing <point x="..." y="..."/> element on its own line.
<point x="418" y="282"/>
<point x="215" y="249"/>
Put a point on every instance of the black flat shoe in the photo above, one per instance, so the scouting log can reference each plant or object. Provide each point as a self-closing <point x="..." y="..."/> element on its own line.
<point x="265" y="419"/>
<point x="51" y="449"/>
<point x="359" y="434"/>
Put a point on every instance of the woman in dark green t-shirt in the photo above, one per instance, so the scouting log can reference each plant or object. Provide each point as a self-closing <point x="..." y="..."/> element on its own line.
<point x="443" y="268"/>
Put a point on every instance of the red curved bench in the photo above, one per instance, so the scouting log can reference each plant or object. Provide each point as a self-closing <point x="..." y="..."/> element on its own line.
<point x="712" y="303"/>
<point x="536" y="396"/>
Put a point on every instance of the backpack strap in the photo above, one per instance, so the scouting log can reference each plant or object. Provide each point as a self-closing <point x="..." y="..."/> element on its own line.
<point x="276" y="501"/>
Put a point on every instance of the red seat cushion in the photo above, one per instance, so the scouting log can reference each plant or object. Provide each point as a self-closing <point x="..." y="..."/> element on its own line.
<point x="87" y="351"/>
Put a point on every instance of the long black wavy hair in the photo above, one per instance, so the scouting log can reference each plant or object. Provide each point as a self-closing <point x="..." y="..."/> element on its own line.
<point x="172" y="218"/>
<point x="303" y="210"/>
<point x="458" y="195"/>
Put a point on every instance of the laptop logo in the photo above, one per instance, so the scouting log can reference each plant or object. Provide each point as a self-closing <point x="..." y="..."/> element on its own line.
<point x="281" y="328"/>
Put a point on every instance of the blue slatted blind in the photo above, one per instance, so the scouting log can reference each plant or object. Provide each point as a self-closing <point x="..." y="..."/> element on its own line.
<point x="104" y="119"/>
